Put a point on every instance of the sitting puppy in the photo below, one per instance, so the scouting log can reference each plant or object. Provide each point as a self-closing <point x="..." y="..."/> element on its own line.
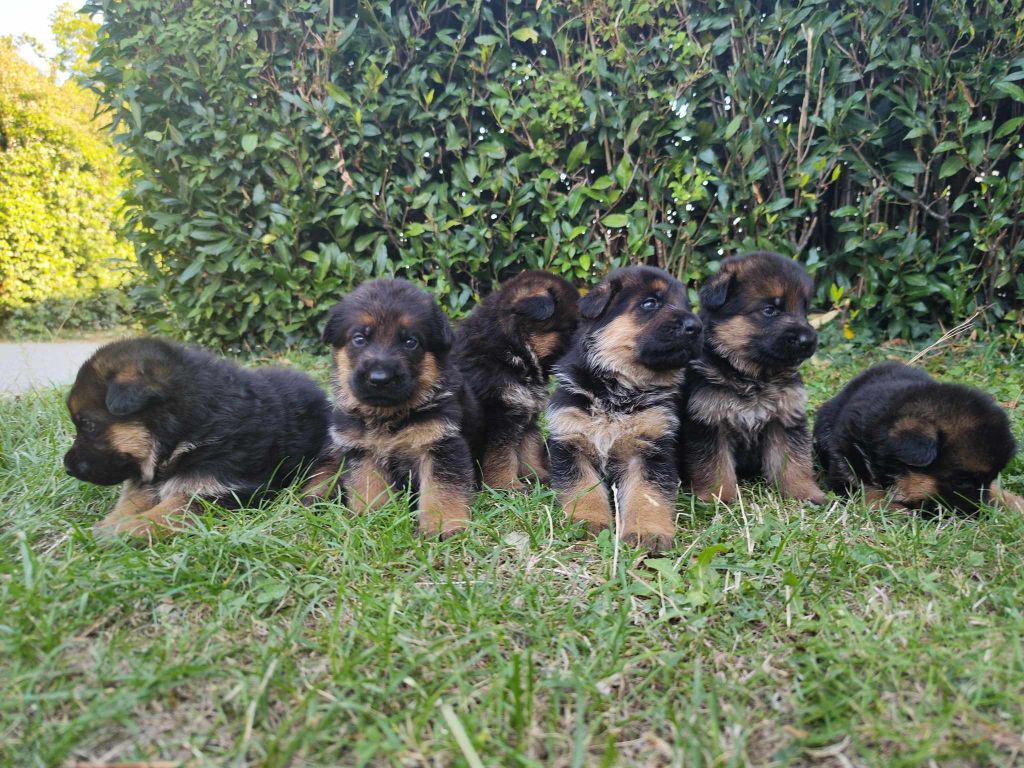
<point x="173" y="423"/>
<point x="612" y="418"/>
<point x="505" y="350"/>
<point x="744" y="402"/>
<point x="900" y="432"/>
<point x="401" y="408"/>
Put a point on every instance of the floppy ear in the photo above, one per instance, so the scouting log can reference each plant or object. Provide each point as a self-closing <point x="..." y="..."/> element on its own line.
<point x="128" y="395"/>
<point x="535" y="307"/>
<point x="715" y="291"/>
<point x="336" y="326"/>
<point x="915" y="447"/>
<point x="596" y="301"/>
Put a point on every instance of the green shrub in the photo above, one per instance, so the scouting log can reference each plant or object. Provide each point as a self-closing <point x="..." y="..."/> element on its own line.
<point x="286" y="149"/>
<point x="59" y="193"/>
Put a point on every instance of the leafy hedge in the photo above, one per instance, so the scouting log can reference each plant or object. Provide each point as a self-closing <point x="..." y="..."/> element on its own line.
<point x="59" y="193"/>
<point x="286" y="149"/>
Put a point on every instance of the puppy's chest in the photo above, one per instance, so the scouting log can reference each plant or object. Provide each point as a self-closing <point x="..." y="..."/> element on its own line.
<point x="746" y="411"/>
<point x="411" y="441"/>
<point x="607" y="434"/>
<point x="525" y="397"/>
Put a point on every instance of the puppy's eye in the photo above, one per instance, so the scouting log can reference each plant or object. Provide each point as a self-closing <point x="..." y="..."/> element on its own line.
<point x="358" y="340"/>
<point x="411" y="343"/>
<point x="650" y="304"/>
<point x="770" y="310"/>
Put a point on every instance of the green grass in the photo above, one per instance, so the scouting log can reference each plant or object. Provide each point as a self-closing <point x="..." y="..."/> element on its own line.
<point x="773" y="634"/>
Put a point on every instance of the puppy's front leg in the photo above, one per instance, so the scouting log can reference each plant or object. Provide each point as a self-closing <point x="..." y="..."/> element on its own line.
<point x="164" y="518"/>
<point x="533" y="455"/>
<point x="323" y="480"/>
<point x="445" y="487"/>
<point x="135" y="499"/>
<point x="710" y="465"/>
<point x="501" y="456"/>
<point x="1004" y="498"/>
<point x="580" y="491"/>
<point x="648" y="497"/>
<point x="786" y="461"/>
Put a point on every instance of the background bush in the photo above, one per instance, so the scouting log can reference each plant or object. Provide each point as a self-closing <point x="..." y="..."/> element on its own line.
<point x="59" y="198"/>
<point x="286" y="149"/>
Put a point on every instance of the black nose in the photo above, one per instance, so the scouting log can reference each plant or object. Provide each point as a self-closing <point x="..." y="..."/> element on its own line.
<point x="805" y="340"/>
<point x="73" y="467"/>
<point x="692" y="327"/>
<point x="379" y="377"/>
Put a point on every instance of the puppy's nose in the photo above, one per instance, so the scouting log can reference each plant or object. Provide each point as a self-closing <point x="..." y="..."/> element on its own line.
<point x="805" y="340"/>
<point x="379" y="377"/>
<point x="692" y="327"/>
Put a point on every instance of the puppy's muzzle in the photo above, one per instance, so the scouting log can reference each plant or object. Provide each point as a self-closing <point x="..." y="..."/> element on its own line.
<point x="801" y="341"/>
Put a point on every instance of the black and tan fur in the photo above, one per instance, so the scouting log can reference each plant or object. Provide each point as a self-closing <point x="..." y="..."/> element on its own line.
<point x="505" y="350"/>
<point x="744" y="403"/>
<point x="174" y="424"/>
<point x="401" y="411"/>
<point x="612" y="419"/>
<point x="914" y="442"/>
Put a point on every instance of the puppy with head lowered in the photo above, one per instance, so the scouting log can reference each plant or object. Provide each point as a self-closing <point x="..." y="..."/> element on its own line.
<point x="505" y="350"/>
<point x="613" y="418"/>
<point x="744" y="403"/>
<point x="920" y="442"/>
<point x="174" y="423"/>
<point x="401" y="410"/>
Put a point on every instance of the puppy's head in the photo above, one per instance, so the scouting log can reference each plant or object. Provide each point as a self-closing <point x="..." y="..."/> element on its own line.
<point x="947" y="444"/>
<point x="637" y="324"/>
<point x="390" y="341"/>
<point x="539" y="308"/>
<point x="118" y="393"/>
<point x="755" y="313"/>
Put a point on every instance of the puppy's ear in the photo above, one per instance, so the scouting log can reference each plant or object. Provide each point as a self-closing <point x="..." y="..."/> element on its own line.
<point x="336" y="326"/>
<point x="129" y="393"/>
<point x="715" y="292"/>
<point x="443" y="336"/>
<point x="915" y="445"/>
<point x="595" y="302"/>
<point x="535" y="307"/>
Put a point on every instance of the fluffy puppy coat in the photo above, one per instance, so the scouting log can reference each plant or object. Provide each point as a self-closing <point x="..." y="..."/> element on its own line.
<point x="505" y="350"/>
<point x="173" y="423"/>
<point x="401" y="411"/>
<point x="744" y="403"/>
<point x="916" y="441"/>
<point x="613" y="419"/>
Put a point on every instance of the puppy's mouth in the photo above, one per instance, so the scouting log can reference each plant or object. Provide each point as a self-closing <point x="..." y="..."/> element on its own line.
<point x="660" y="356"/>
<point x="95" y="471"/>
<point x="390" y="395"/>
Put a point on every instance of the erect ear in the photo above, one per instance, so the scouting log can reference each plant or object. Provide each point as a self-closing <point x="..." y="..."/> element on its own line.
<point x="596" y="301"/>
<point x="129" y="393"/>
<point x="535" y="307"/>
<point x="715" y="292"/>
<point x="336" y="325"/>
<point x="914" y="445"/>
<point x="444" y="336"/>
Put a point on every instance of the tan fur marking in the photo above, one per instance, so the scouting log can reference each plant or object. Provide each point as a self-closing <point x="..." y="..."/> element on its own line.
<point x="128" y="376"/>
<point x="914" y="487"/>
<point x="501" y="468"/>
<point x="792" y="473"/>
<point x="134" y="500"/>
<point x="533" y="456"/>
<point x="545" y="345"/>
<point x="165" y="518"/>
<point x="323" y="482"/>
<point x="613" y="349"/>
<point x="1004" y="498"/>
<point x="718" y="480"/>
<point x="443" y="509"/>
<point x="587" y="500"/>
<point x="603" y="435"/>
<point x="411" y="441"/>
<point x="657" y="284"/>
<point x="133" y="439"/>
<point x="365" y="486"/>
<point x="648" y="518"/>
<point x="733" y="336"/>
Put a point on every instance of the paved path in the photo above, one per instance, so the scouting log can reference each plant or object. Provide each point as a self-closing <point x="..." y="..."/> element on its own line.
<point x="41" y="364"/>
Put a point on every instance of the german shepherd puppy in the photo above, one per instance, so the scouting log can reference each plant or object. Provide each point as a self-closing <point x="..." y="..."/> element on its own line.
<point x="505" y="350"/>
<point x="613" y="418"/>
<point x="401" y="410"/>
<point x="902" y="434"/>
<point x="173" y="423"/>
<point x="744" y="403"/>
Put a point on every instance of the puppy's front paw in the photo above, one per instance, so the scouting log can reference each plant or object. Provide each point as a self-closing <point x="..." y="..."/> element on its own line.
<point x="441" y="527"/>
<point x="653" y="541"/>
<point x="115" y="526"/>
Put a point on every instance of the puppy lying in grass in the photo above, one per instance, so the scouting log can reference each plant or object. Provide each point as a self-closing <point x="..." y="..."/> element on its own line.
<point x="744" y="404"/>
<point x="915" y="442"/>
<point x="174" y="423"/>
<point x="613" y="417"/>
<point x="401" y="410"/>
<point x="505" y="350"/>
